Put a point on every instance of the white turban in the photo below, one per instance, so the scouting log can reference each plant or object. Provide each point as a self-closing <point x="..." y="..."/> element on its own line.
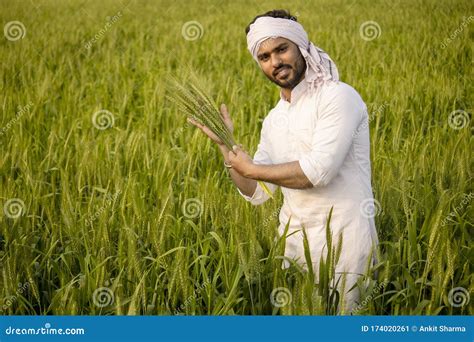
<point x="316" y="59"/>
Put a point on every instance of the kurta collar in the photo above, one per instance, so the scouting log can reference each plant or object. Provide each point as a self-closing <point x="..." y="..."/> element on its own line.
<point x="299" y="90"/>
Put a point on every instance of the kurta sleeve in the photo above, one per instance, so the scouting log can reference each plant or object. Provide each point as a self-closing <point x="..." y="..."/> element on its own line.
<point x="339" y="112"/>
<point x="261" y="157"/>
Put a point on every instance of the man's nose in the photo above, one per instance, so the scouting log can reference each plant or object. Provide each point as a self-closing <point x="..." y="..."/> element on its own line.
<point x="276" y="61"/>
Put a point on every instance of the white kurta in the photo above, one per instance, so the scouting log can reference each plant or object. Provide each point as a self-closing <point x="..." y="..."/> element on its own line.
<point x="327" y="133"/>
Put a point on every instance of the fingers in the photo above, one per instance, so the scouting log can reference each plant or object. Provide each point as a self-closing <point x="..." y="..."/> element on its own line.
<point x="205" y="130"/>
<point x="237" y="148"/>
<point x="195" y="123"/>
<point x="226" y="118"/>
<point x="192" y="122"/>
<point x="224" y="111"/>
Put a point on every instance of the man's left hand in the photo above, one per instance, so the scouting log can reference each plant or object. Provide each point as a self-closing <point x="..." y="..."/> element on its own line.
<point x="241" y="161"/>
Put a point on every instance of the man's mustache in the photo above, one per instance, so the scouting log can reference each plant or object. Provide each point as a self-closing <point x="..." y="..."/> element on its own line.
<point x="279" y="69"/>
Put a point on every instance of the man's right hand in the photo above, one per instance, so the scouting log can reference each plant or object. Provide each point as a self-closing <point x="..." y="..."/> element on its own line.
<point x="227" y="121"/>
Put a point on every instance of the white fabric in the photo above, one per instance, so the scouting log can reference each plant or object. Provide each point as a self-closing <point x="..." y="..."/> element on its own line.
<point x="327" y="132"/>
<point x="322" y="67"/>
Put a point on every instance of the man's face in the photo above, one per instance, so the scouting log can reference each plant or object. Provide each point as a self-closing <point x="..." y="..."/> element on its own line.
<point x="281" y="61"/>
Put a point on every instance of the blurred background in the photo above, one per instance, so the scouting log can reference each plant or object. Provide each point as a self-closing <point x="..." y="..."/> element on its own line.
<point x="110" y="203"/>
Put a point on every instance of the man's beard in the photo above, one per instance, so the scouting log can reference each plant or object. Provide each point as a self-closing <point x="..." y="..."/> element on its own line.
<point x="289" y="83"/>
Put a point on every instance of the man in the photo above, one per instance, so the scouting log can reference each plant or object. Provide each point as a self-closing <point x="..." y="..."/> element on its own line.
<point x="314" y="145"/>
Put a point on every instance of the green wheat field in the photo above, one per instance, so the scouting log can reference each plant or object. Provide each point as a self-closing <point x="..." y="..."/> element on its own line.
<point x="112" y="204"/>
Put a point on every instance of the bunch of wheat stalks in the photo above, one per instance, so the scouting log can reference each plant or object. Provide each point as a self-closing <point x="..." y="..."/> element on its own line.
<point x="191" y="98"/>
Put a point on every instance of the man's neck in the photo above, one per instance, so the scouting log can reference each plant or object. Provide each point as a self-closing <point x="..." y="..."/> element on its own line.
<point x="286" y="94"/>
